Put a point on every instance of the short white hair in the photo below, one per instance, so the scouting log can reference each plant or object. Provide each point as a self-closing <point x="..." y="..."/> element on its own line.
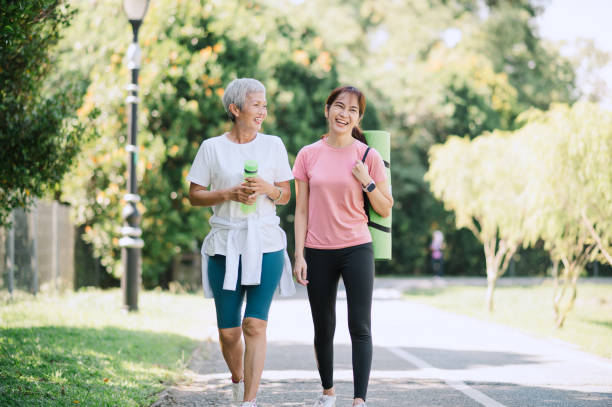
<point x="236" y="93"/>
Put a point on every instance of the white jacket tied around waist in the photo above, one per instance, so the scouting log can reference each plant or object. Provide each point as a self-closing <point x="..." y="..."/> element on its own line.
<point x="250" y="250"/>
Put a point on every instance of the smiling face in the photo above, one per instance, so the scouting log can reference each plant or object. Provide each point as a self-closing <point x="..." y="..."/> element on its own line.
<point x="343" y="113"/>
<point x="253" y="112"/>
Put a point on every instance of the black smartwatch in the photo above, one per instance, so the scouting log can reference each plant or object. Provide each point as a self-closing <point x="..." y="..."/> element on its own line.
<point x="370" y="187"/>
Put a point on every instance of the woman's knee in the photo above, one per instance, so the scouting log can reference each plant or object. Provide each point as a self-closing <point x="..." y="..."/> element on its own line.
<point x="325" y="329"/>
<point x="254" y="327"/>
<point x="230" y="336"/>
<point x="360" y="328"/>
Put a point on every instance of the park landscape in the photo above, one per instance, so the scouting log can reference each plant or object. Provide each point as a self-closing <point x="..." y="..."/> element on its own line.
<point x="493" y="142"/>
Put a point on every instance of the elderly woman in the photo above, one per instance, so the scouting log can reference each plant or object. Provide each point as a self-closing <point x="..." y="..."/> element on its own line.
<point x="245" y="252"/>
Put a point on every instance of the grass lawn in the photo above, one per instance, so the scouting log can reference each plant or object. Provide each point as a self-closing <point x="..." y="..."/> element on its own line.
<point x="589" y="324"/>
<point x="82" y="349"/>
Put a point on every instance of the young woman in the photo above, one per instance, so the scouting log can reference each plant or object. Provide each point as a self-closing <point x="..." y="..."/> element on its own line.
<point x="244" y="253"/>
<point x="332" y="239"/>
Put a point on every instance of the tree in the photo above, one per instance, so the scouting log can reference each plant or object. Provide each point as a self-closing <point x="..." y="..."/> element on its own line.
<point x="548" y="181"/>
<point x="190" y="52"/>
<point x="571" y="192"/>
<point x="477" y="180"/>
<point x="538" y="73"/>
<point x="463" y="72"/>
<point x="39" y="134"/>
<point x="419" y="87"/>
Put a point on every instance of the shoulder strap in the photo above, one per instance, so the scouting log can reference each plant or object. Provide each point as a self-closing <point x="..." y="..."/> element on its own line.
<point x="366" y="201"/>
<point x="365" y="154"/>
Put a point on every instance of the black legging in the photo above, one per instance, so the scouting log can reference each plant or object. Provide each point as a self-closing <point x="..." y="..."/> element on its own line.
<point x="356" y="266"/>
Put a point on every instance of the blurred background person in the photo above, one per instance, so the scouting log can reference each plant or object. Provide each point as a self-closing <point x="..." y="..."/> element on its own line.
<point x="437" y="258"/>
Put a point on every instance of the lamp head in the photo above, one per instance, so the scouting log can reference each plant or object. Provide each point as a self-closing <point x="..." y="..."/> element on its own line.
<point x="135" y="9"/>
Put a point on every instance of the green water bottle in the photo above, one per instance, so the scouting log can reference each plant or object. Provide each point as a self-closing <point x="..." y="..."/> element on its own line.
<point x="250" y="170"/>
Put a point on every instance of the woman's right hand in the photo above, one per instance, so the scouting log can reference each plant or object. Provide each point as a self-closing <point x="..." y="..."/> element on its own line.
<point x="243" y="194"/>
<point x="299" y="271"/>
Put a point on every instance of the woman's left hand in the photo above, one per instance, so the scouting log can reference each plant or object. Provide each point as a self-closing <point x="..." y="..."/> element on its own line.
<point x="360" y="171"/>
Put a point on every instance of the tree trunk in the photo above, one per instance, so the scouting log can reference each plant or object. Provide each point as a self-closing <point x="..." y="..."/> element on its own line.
<point x="497" y="255"/>
<point x="491" y="282"/>
<point x="564" y="310"/>
<point x="572" y="266"/>
<point x="492" y="271"/>
<point x="604" y="250"/>
<point x="571" y="273"/>
<point x="555" y="275"/>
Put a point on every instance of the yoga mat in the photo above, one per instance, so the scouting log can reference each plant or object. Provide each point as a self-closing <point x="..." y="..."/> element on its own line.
<point x="380" y="228"/>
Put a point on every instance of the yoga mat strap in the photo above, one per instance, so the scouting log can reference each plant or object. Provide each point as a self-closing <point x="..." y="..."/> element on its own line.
<point x="379" y="227"/>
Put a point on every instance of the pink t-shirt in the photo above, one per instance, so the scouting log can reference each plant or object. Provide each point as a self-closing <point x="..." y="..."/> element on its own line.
<point x="336" y="218"/>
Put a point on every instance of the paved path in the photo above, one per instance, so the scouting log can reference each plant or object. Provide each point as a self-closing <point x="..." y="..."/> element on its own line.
<point x="422" y="357"/>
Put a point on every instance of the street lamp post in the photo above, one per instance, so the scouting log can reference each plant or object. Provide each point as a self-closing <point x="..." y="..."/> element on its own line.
<point x="130" y="242"/>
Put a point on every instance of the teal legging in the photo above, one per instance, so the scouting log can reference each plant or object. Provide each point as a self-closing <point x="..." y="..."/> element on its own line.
<point x="228" y="303"/>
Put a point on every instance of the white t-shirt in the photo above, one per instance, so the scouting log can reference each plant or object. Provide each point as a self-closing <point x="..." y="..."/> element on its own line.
<point x="219" y="164"/>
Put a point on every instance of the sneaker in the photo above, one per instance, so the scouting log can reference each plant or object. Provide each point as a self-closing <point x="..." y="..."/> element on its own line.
<point x="325" y="401"/>
<point x="360" y="405"/>
<point x="238" y="391"/>
<point x="249" y="404"/>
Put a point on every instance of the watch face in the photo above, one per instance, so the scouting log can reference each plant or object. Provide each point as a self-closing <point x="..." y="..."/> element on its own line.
<point x="371" y="186"/>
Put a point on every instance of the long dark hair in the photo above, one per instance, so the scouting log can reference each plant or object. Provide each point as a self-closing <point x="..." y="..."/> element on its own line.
<point x="361" y="101"/>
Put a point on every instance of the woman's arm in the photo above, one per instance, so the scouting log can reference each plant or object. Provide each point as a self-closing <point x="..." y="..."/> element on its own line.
<point x="301" y="225"/>
<point x="258" y="186"/>
<point x="380" y="198"/>
<point x="286" y="188"/>
<point x="201" y="196"/>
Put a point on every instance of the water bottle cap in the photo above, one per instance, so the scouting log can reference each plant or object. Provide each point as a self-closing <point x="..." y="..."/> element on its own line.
<point x="250" y="166"/>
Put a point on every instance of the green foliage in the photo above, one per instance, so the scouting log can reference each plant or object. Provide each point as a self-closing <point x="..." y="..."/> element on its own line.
<point x="483" y="192"/>
<point x="549" y="181"/>
<point x="426" y="89"/>
<point x="419" y="88"/>
<point x="39" y="134"/>
<point x="571" y="189"/>
<point x="570" y="179"/>
<point x="81" y="349"/>
<point x="189" y="55"/>
<point x="537" y="73"/>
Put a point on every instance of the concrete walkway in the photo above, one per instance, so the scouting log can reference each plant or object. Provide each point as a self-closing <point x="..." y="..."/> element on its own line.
<point x="422" y="357"/>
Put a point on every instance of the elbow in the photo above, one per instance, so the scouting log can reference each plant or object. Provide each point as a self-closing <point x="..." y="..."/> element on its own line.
<point x="192" y="200"/>
<point x="300" y="214"/>
<point x="387" y="210"/>
<point x="383" y="212"/>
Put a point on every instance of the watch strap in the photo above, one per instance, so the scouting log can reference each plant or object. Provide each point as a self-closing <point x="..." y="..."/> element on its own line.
<point x="370" y="187"/>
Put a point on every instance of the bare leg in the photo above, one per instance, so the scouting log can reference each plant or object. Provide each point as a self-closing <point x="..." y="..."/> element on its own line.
<point x="255" y="355"/>
<point x="329" y="392"/>
<point x="230" y="340"/>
